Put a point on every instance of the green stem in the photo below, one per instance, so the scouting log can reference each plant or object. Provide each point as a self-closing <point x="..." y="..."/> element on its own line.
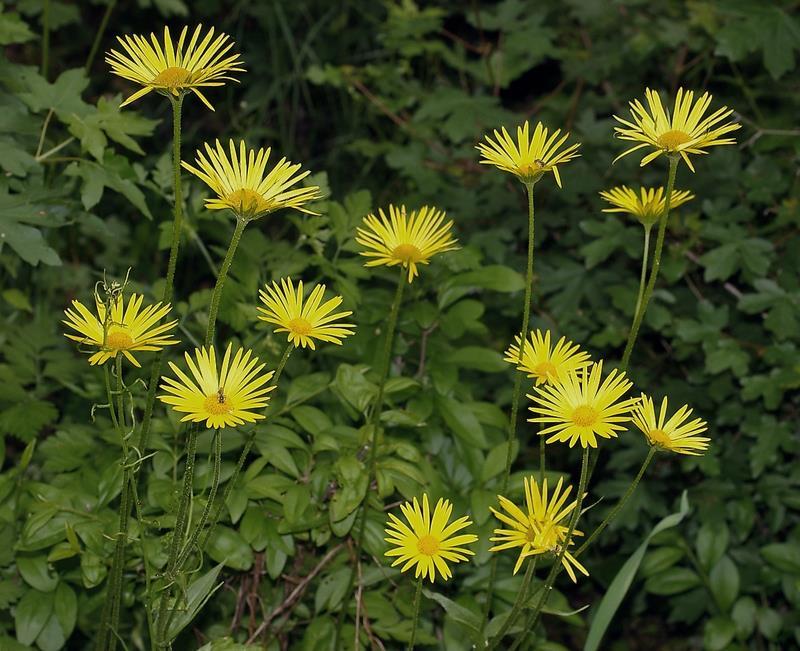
<point x="243" y="456"/>
<point x="417" y="599"/>
<point x="99" y="36"/>
<point x="613" y="514"/>
<point x="223" y="274"/>
<point x="651" y="283"/>
<point x="45" y="37"/>
<point x="557" y="564"/>
<point x="374" y="422"/>
<point x="148" y="576"/>
<point x="212" y="494"/>
<point x="516" y="395"/>
<point x="643" y="275"/>
<point x="522" y="597"/>
<point x="107" y="638"/>
<point x="177" y="226"/>
<point x="181" y="520"/>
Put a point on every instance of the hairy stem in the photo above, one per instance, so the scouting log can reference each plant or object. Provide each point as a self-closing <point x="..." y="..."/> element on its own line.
<point x="643" y="275"/>
<point x="99" y="36"/>
<point x="417" y="599"/>
<point x="557" y="563"/>
<point x="223" y="274"/>
<point x="522" y="597"/>
<point x="613" y="513"/>
<point x="651" y="283"/>
<point x="242" y="457"/>
<point x="374" y="422"/>
<point x="516" y="395"/>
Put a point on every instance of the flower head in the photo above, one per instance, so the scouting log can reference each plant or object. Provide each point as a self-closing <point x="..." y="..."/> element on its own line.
<point x="122" y="330"/>
<point x="542" y="529"/>
<point x="529" y="158"/>
<point x="172" y="69"/>
<point x="542" y="361"/>
<point x="241" y="185"/>
<point x="580" y="408"/>
<point x="428" y="542"/>
<point x="407" y="240"/>
<point x="676" y="434"/>
<point x="647" y="206"/>
<point x="685" y="131"/>
<point x="221" y="398"/>
<point x="304" y="321"/>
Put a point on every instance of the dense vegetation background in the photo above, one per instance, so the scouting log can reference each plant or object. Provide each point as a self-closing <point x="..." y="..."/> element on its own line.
<point x="384" y="101"/>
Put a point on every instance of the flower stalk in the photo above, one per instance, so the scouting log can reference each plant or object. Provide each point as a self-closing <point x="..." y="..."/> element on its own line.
<point x="651" y="283"/>
<point x="522" y="597"/>
<point x="415" y="621"/>
<point x="516" y="396"/>
<point x="241" y="222"/>
<point x="374" y="422"/>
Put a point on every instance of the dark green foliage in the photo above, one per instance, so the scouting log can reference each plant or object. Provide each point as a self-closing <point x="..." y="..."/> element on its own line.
<point x="385" y="102"/>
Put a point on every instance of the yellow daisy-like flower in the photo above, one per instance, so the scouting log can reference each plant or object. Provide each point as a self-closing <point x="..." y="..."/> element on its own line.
<point x="529" y="158"/>
<point x="580" y="408"/>
<point x="647" y="206"/>
<point x="685" y="131"/>
<point x="543" y="529"/>
<point x="676" y="434"/>
<point x="221" y="398"/>
<point x="304" y="321"/>
<point x="172" y="69"/>
<point x="406" y="240"/>
<point x="428" y="542"/>
<point x="124" y="330"/>
<point x="241" y="185"/>
<point x="545" y="363"/>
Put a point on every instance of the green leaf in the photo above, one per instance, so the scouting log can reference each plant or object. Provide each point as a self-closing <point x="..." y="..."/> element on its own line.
<point x="470" y="620"/>
<point x="712" y="542"/>
<point x="718" y="633"/>
<point x="32" y="614"/>
<point x="25" y="420"/>
<point x="495" y="277"/>
<point x="227" y="547"/>
<point x="478" y="358"/>
<point x="462" y="421"/>
<point x="13" y="29"/>
<point x="332" y="590"/>
<point x="781" y="37"/>
<point x="114" y="173"/>
<point x="198" y="593"/>
<point x="744" y="616"/>
<point x="36" y="573"/>
<point x="66" y="608"/>
<point x="672" y="581"/>
<point x="785" y="557"/>
<point x="63" y="95"/>
<point x="724" y="580"/>
<point x="622" y="581"/>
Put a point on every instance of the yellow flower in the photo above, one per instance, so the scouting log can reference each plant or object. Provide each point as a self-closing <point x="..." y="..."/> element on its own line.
<point x="543" y="529"/>
<point x="545" y="363"/>
<point x="429" y="542"/>
<point x="303" y="321"/>
<point x="647" y="206"/>
<point x="241" y="185"/>
<point x="123" y="331"/>
<point x="221" y="398"/>
<point x="683" y="132"/>
<point x="405" y="240"/>
<point x="675" y="434"/>
<point x="528" y="158"/>
<point x="172" y="70"/>
<point x="580" y="408"/>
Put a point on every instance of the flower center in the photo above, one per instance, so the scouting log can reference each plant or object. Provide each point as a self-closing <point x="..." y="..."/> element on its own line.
<point x="531" y="172"/>
<point x="428" y="545"/>
<point x="247" y="202"/>
<point x="118" y="340"/>
<point x="545" y="370"/>
<point x="407" y="253"/>
<point x="659" y="437"/>
<point x="172" y="78"/>
<point x="584" y="416"/>
<point x="217" y="403"/>
<point x="300" y="326"/>
<point x="672" y="139"/>
<point x="530" y="535"/>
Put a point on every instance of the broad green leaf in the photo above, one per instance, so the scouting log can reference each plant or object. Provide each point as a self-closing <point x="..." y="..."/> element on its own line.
<point x="227" y="547"/>
<point x="198" y="593"/>
<point x="462" y="421"/>
<point x="718" y="633"/>
<point x="618" y="588"/>
<point x="785" y="557"/>
<point x="36" y="573"/>
<point x="724" y="580"/>
<point x="32" y="614"/>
